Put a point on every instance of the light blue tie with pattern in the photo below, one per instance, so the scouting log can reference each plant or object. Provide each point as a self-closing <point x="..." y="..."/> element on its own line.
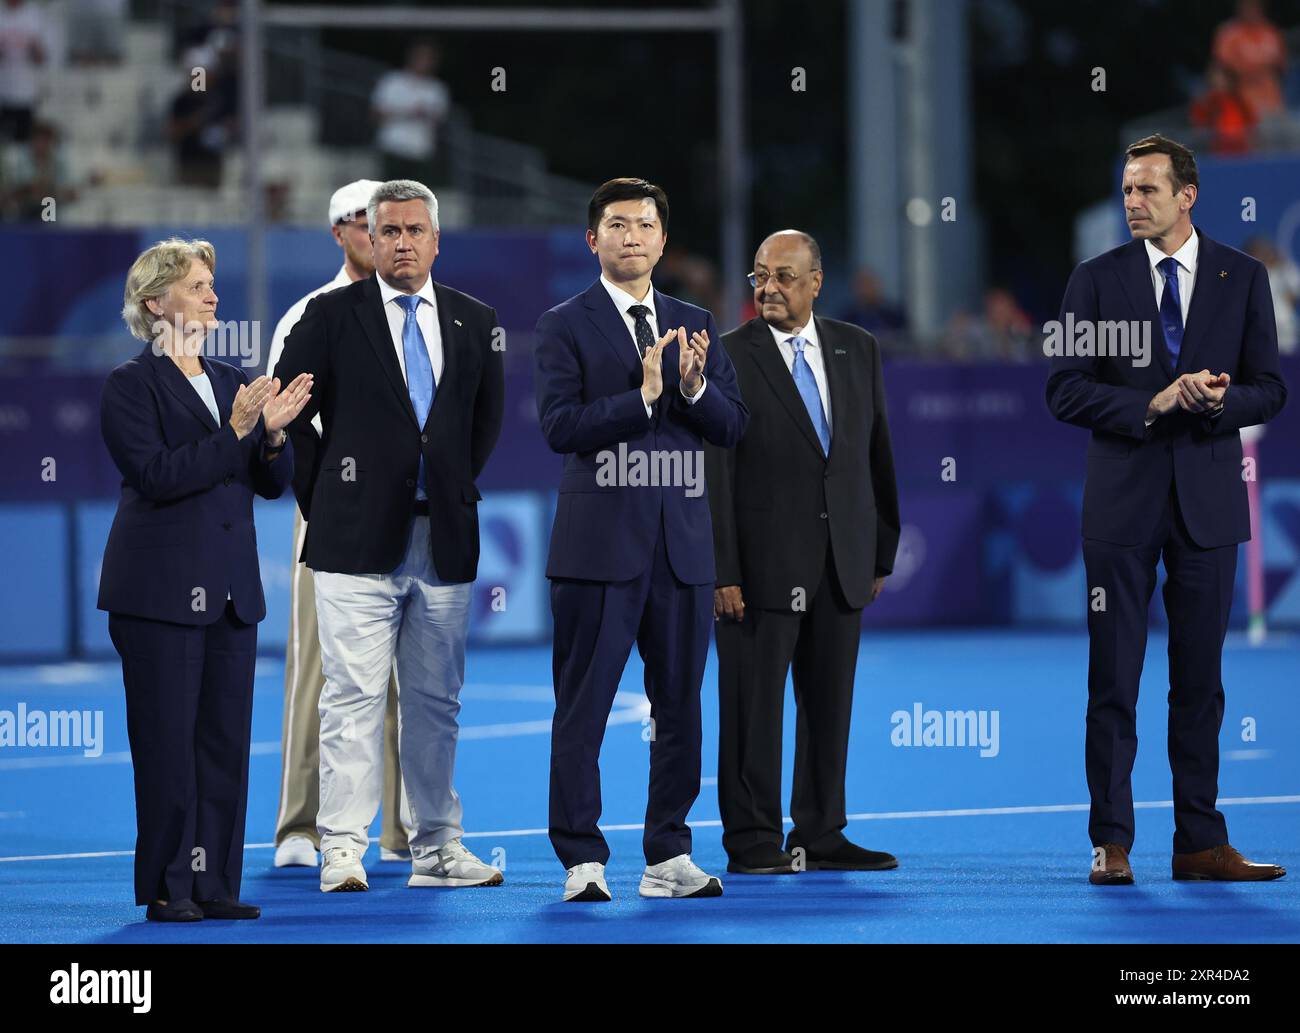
<point x="812" y="399"/>
<point x="420" y="383"/>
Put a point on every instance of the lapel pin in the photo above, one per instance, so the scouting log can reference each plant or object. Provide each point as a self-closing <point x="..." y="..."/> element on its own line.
<point x="459" y="323"/>
<point x="1223" y="274"/>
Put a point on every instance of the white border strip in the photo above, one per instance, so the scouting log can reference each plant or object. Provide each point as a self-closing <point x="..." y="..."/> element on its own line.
<point x="973" y="812"/>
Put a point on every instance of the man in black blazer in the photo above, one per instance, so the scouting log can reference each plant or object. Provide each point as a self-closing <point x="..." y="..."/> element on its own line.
<point x="1165" y="479"/>
<point x="805" y="526"/>
<point x="410" y="390"/>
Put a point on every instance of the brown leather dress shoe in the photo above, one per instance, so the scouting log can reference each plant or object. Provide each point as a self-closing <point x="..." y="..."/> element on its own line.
<point x="1223" y="864"/>
<point x="1113" y="869"/>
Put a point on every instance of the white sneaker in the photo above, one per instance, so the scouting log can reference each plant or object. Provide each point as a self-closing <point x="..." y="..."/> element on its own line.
<point x="586" y="883"/>
<point x="296" y="852"/>
<point x="342" y="872"/>
<point x="452" y="866"/>
<point x="679" y="877"/>
<point x="393" y="855"/>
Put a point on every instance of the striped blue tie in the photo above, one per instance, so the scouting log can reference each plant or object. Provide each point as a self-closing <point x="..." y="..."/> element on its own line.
<point x="812" y="399"/>
<point x="420" y="383"/>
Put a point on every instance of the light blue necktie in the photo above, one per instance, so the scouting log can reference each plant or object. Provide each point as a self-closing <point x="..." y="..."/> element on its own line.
<point x="812" y="399"/>
<point x="419" y="373"/>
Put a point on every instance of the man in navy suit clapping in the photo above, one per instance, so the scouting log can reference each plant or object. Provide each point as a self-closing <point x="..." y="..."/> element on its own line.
<point x="630" y="384"/>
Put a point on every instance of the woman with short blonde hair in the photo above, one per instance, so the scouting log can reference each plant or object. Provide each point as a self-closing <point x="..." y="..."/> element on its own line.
<point x="153" y="273"/>
<point x="194" y="441"/>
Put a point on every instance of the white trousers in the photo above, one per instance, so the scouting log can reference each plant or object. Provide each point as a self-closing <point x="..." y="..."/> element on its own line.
<point x="366" y="622"/>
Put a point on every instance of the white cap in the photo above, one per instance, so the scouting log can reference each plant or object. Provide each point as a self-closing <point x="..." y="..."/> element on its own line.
<point x="350" y="199"/>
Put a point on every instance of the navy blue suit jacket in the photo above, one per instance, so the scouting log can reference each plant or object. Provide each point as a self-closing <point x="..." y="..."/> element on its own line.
<point x="1131" y="467"/>
<point x="588" y="381"/>
<point x="185" y="518"/>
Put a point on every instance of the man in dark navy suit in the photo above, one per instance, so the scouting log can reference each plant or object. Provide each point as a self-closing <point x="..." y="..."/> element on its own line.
<point x="628" y="390"/>
<point x="1165" y="478"/>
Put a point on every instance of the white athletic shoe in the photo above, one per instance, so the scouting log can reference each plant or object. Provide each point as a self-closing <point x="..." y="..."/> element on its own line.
<point x="586" y="883"/>
<point x="394" y="855"/>
<point x="296" y="852"/>
<point x="452" y="866"/>
<point x="342" y="872"/>
<point x="679" y="877"/>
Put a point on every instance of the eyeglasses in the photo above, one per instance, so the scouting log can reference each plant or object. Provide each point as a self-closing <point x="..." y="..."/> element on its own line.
<point x="784" y="278"/>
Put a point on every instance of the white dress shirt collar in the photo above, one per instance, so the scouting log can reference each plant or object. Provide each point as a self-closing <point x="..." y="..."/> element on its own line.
<point x="387" y="292"/>
<point x="808" y="333"/>
<point x="623" y="300"/>
<point x="1185" y="256"/>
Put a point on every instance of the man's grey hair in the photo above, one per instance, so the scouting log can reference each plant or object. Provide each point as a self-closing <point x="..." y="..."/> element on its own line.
<point x="401" y="190"/>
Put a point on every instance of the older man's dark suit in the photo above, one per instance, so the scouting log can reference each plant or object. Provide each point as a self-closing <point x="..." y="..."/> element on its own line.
<point x="1175" y="489"/>
<point x="804" y="534"/>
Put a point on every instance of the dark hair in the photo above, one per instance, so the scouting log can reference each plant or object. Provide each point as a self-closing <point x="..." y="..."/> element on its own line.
<point x="1182" y="163"/>
<point x="625" y="190"/>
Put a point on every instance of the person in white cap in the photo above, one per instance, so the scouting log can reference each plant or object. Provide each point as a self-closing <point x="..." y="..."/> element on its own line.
<point x="296" y="838"/>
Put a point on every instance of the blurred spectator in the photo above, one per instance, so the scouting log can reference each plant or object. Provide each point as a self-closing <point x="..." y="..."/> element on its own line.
<point x="1222" y="111"/>
<point x="408" y="104"/>
<point x="1003" y="333"/>
<point x="689" y="277"/>
<point x="1284" y="284"/>
<point x="1253" y="50"/>
<point x="194" y="25"/>
<point x="279" y="197"/>
<point x="25" y="35"/>
<point x="204" y="123"/>
<point x="96" y="30"/>
<point x="874" y="313"/>
<point x="31" y="172"/>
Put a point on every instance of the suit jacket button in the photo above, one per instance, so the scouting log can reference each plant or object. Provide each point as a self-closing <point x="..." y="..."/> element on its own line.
<point x="823" y="516"/>
<point x="424" y="438"/>
<point x="410" y="483"/>
<point x="226" y="525"/>
<point x="229" y="480"/>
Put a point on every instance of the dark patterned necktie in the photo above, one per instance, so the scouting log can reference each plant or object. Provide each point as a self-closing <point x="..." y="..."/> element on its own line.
<point x="645" y="337"/>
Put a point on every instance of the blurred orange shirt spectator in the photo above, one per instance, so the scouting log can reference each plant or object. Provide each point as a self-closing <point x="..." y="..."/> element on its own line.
<point x="1221" y="110"/>
<point x="1253" y="50"/>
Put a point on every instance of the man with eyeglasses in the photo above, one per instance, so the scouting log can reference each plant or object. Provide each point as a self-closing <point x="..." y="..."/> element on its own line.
<point x="805" y="527"/>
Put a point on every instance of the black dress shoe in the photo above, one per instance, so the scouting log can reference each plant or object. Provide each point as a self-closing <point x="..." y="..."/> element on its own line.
<point x="846" y="857"/>
<point x="229" y="909"/>
<point x="173" y="911"/>
<point x="763" y="859"/>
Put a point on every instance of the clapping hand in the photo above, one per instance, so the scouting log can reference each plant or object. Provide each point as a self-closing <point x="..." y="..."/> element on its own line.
<point x="691" y="358"/>
<point x="283" y="406"/>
